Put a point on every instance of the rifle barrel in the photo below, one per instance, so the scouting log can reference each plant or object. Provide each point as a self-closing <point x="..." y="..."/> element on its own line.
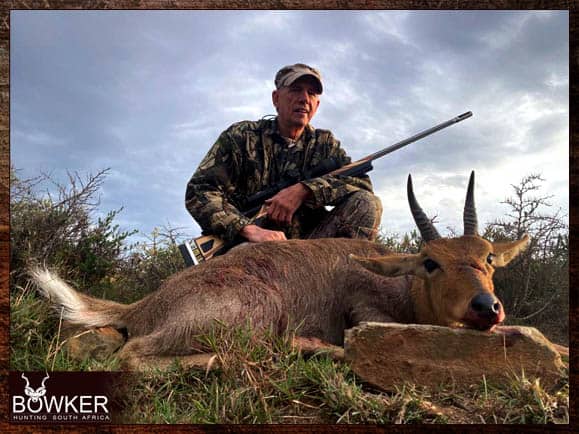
<point x="418" y="136"/>
<point x="216" y="246"/>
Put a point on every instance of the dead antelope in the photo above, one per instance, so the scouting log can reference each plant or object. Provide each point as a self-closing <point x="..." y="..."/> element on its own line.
<point x="316" y="284"/>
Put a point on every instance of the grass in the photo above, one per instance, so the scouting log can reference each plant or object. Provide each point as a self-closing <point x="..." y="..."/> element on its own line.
<point x="262" y="379"/>
<point x="34" y="338"/>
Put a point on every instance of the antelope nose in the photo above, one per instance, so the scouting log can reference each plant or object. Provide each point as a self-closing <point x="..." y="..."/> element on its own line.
<point x="486" y="305"/>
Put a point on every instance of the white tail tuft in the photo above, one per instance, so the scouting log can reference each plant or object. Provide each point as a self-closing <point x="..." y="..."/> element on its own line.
<point x="66" y="299"/>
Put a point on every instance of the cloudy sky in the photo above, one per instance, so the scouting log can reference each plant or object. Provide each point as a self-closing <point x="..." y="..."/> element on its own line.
<point x="146" y="93"/>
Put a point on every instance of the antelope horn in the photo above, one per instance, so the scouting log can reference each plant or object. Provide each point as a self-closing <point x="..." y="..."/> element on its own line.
<point x="27" y="382"/>
<point x="425" y="226"/>
<point x="44" y="380"/>
<point x="469" y="216"/>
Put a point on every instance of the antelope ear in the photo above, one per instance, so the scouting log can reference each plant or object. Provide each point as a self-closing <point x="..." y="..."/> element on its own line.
<point x="391" y="266"/>
<point x="507" y="251"/>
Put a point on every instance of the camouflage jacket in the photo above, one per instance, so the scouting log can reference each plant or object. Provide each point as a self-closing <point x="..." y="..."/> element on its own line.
<point x="251" y="156"/>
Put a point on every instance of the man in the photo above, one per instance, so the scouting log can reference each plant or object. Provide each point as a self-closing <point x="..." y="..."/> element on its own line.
<point x="250" y="156"/>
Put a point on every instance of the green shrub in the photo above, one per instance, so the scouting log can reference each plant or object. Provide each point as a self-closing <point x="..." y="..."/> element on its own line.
<point x="535" y="287"/>
<point x="59" y="232"/>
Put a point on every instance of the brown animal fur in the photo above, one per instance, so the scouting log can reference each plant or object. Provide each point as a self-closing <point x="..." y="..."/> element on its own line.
<point x="315" y="285"/>
<point x="443" y="296"/>
<point x="311" y="283"/>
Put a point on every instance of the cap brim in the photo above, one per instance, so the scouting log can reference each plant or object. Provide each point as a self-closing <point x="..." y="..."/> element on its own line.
<point x="297" y="75"/>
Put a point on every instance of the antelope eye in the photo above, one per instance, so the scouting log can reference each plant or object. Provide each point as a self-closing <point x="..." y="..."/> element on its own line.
<point x="430" y="265"/>
<point x="490" y="258"/>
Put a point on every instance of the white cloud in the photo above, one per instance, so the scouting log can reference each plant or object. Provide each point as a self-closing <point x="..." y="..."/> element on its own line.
<point x="37" y="138"/>
<point x="266" y="21"/>
<point x="557" y="80"/>
<point x="502" y="37"/>
<point x="150" y="95"/>
<point x="200" y="126"/>
<point x="390" y="24"/>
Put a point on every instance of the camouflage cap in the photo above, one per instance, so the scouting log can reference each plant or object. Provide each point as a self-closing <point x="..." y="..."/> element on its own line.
<point x="288" y="74"/>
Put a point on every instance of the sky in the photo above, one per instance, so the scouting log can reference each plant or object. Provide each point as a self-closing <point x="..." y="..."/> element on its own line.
<point x="147" y="93"/>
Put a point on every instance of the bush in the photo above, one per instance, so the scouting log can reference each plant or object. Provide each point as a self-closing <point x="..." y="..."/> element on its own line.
<point x="59" y="231"/>
<point x="147" y="265"/>
<point x="408" y="243"/>
<point x="535" y="287"/>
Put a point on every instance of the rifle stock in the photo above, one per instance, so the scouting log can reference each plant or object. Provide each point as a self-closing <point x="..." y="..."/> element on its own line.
<point x="207" y="246"/>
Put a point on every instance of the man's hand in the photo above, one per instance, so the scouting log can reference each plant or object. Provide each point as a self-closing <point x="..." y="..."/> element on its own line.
<point x="255" y="234"/>
<point x="281" y="207"/>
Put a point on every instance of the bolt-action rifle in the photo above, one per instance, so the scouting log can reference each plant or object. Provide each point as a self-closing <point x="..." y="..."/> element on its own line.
<point x="207" y="246"/>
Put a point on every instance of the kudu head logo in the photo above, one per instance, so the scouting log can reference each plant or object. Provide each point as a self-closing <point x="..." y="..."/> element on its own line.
<point x="35" y="394"/>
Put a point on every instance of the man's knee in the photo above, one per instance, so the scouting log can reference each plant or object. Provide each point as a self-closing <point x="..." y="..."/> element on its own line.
<point x="360" y="215"/>
<point x="367" y="205"/>
<point x="357" y="216"/>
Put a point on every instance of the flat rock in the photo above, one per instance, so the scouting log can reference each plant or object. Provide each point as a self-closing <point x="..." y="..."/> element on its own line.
<point x="388" y="355"/>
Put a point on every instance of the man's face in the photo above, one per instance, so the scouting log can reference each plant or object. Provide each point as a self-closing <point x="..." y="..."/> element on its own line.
<point x="297" y="104"/>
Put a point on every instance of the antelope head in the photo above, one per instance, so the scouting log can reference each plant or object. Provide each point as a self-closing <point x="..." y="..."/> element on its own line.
<point x="35" y="394"/>
<point x="454" y="285"/>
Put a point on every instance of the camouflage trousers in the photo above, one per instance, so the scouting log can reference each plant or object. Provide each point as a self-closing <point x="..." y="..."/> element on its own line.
<point x="357" y="216"/>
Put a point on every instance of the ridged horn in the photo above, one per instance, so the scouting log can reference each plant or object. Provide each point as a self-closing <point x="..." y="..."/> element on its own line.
<point x="469" y="216"/>
<point x="425" y="226"/>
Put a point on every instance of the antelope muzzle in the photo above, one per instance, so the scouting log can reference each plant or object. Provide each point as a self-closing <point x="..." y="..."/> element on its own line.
<point x="484" y="312"/>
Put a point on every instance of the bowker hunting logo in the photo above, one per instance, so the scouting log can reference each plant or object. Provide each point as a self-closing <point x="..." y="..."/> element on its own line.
<point x="59" y="397"/>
